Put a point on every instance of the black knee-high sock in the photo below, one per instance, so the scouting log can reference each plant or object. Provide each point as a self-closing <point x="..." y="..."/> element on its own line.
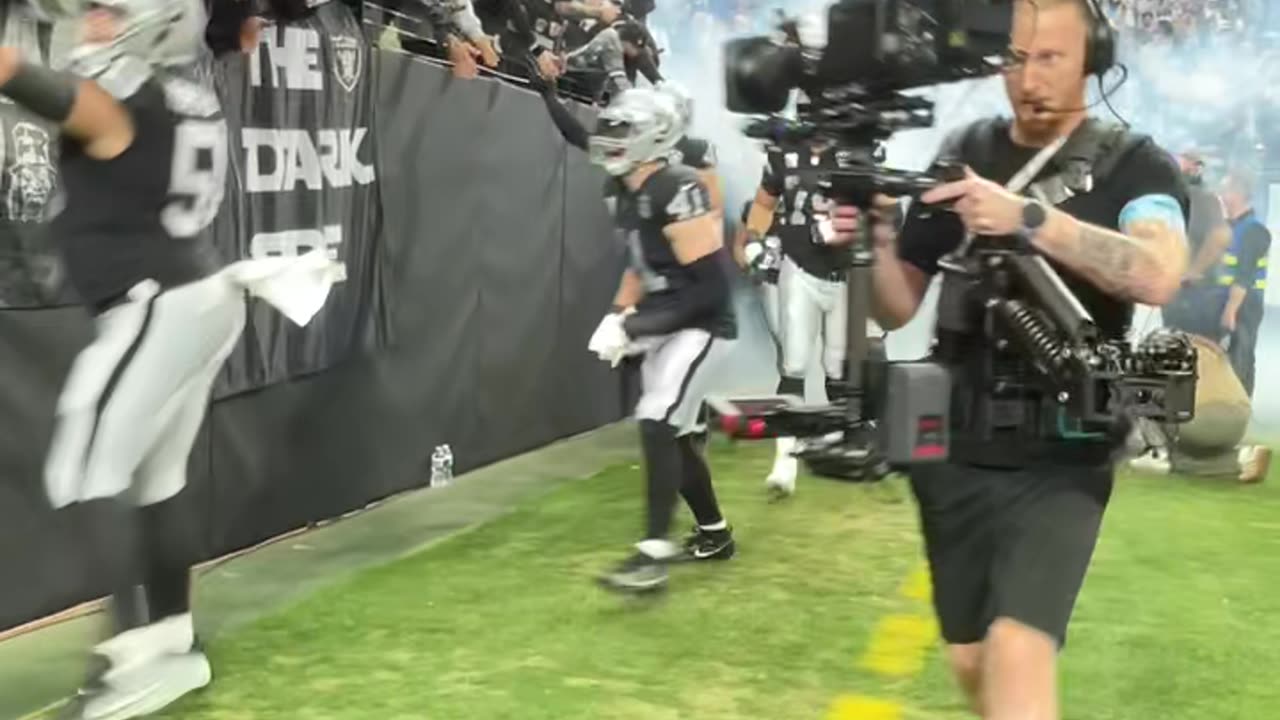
<point x="695" y="486"/>
<point x="170" y="552"/>
<point x="834" y="389"/>
<point x="109" y="530"/>
<point x="662" y="465"/>
<point x="791" y="386"/>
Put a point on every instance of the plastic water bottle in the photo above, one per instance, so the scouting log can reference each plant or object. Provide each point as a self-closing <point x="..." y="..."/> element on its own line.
<point x="441" y="466"/>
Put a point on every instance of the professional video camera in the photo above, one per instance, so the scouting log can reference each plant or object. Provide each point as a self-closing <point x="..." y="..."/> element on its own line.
<point x="894" y="414"/>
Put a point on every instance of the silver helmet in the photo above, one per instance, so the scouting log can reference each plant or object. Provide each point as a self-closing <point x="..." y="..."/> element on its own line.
<point x="681" y="97"/>
<point x="639" y="126"/>
<point x="151" y="34"/>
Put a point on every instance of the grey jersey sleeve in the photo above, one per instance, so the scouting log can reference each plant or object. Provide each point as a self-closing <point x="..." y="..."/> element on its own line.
<point x="602" y="54"/>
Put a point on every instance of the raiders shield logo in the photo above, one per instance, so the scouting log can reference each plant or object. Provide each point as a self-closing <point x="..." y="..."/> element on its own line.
<point x="348" y="60"/>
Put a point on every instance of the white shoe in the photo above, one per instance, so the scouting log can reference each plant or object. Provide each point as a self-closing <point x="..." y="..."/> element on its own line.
<point x="1154" y="461"/>
<point x="781" y="481"/>
<point x="147" y="689"/>
<point x="1255" y="461"/>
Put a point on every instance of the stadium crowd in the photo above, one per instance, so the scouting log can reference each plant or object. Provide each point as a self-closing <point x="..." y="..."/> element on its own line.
<point x="1180" y="20"/>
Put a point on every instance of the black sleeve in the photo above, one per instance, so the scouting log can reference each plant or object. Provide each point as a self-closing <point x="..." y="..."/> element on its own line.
<point x="573" y="131"/>
<point x="696" y="153"/>
<point x="226" y="20"/>
<point x="929" y="233"/>
<point x="639" y="9"/>
<point x="1144" y="170"/>
<point x="1254" y="246"/>
<point x="771" y="181"/>
<point x="677" y="195"/>
<point x="518" y="14"/>
<point x="647" y="67"/>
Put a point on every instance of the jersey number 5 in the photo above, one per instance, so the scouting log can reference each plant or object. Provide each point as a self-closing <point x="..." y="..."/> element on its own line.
<point x="197" y="179"/>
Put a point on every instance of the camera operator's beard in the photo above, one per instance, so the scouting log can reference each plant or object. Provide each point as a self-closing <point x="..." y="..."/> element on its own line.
<point x="1039" y="123"/>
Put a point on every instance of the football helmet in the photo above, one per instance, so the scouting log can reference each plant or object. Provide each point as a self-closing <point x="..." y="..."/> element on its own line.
<point x="639" y="126"/>
<point x="150" y="34"/>
<point x="682" y="99"/>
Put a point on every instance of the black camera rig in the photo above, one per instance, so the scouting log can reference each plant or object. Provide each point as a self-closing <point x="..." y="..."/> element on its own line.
<point x="886" y="414"/>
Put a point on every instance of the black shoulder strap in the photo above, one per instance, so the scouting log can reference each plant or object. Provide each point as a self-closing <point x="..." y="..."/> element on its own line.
<point x="1086" y="159"/>
<point x="976" y="139"/>
<point x="1119" y="144"/>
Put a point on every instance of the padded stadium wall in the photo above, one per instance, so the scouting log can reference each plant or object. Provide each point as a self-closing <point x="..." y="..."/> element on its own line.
<point x="499" y="263"/>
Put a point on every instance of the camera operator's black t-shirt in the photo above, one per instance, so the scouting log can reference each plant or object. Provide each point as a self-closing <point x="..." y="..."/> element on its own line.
<point x="1144" y="169"/>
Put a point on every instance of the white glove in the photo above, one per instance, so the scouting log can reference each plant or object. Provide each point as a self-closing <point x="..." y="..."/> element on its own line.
<point x="609" y="342"/>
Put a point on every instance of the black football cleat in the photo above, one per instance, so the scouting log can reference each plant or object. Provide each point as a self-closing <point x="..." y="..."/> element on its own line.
<point x="709" y="544"/>
<point x="636" y="575"/>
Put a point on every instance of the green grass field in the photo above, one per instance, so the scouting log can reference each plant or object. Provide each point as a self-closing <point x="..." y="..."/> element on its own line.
<point x="1178" y="620"/>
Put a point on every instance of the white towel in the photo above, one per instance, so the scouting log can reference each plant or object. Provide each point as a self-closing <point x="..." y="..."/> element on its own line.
<point x="296" y="286"/>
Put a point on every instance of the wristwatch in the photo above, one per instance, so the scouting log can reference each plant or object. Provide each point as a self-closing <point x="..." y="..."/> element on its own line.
<point x="1033" y="218"/>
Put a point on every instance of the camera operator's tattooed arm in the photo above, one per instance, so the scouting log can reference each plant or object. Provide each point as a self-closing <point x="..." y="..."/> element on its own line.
<point x="1143" y="263"/>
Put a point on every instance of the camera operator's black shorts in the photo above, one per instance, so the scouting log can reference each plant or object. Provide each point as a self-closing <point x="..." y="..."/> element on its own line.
<point x="1008" y="543"/>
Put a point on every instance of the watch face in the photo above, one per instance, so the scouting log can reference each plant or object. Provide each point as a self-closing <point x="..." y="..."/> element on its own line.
<point x="1033" y="215"/>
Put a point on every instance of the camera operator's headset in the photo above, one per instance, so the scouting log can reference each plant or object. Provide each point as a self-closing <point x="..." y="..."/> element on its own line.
<point x="1100" y="44"/>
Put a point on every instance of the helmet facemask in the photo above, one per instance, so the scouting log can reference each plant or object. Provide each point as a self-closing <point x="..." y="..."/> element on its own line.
<point x="638" y="127"/>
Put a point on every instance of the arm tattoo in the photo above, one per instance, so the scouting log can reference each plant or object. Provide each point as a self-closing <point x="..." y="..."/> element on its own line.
<point x="1121" y="265"/>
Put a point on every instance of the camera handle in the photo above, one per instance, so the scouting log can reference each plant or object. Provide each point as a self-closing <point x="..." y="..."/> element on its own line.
<point x="859" y="186"/>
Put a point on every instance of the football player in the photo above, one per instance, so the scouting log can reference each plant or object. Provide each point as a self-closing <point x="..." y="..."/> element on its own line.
<point x="812" y="298"/>
<point x="143" y="164"/>
<point x="694" y="152"/>
<point x="674" y="307"/>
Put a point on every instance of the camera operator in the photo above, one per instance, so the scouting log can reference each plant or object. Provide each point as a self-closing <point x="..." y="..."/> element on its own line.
<point x="1010" y="522"/>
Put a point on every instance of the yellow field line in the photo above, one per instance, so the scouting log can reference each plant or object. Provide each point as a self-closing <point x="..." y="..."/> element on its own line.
<point x="899" y="647"/>
<point x="858" y="707"/>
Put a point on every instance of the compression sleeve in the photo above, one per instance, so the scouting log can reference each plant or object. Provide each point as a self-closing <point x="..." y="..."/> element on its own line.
<point x="573" y="131"/>
<point x="708" y="291"/>
<point x="48" y="93"/>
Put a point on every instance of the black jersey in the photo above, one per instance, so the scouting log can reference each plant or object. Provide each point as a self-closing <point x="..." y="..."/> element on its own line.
<point x="672" y="194"/>
<point x="141" y="215"/>
<point x="547" y="25"/>
<point x="794" y="216"/>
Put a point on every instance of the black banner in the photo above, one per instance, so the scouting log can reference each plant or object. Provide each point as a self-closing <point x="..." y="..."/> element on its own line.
<point x="504" y="263"/>
<point x="30" y="273"/>
<point x="303" y="176"/>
